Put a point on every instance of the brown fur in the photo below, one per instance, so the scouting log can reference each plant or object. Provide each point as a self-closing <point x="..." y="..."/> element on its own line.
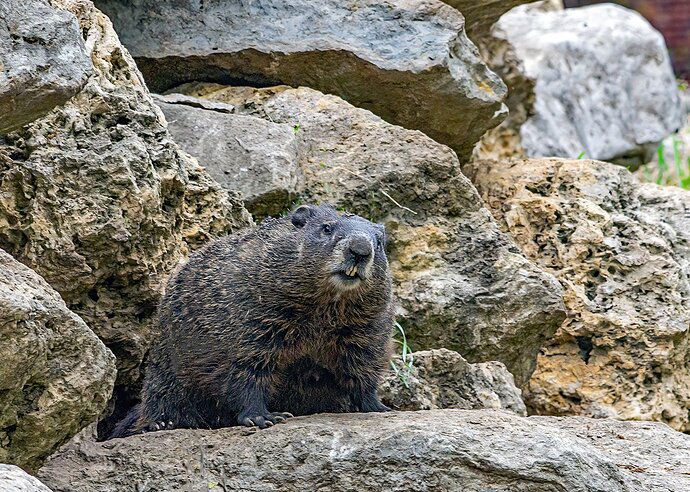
<point x="266" y="321"/>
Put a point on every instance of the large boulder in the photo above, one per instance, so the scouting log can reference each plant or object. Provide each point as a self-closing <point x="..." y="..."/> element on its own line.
<point x="622" y="252"/>
<point x="441" y="378"/>
<point x="459" y="282"/>
<point x="56" y="376"/>
<point x="595" y="80"/>
<point x="14" y="479"/>
<point x="43" y="61"/>
<point x="408" y="61"/>
<point x="458" y="450"/>
<point x="243" y="153"/>
<point x="98" y="199"/>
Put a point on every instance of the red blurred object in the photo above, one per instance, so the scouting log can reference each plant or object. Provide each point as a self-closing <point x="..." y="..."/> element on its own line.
<point x="671" y="17"/>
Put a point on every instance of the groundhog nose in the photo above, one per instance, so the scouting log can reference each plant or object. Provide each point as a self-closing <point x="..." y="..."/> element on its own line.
<point x="360" y="248"/>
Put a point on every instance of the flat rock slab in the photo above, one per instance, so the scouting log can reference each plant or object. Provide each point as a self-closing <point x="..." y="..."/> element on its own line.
<point x="409" y="61"/>
<point x="43" y="60"/>
<point x="459" y="450"/>
<point x="622" y="252"/>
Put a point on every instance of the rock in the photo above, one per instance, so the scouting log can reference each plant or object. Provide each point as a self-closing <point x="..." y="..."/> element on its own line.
<point x="481" y="15"/>
<point x="622" y="252"/>
<point x="594" y="79"/>
<point x="408" y="61"/>
<point x="56" y="375"/>
<point x="98" y="199"/>
<point x="43" y="61"/>
<point x="459" y="282"/>
<point x="14" y="479"/>
<point x="243" y="153"/>
<point x="464" y="450"/>
<point x="441" y="378"/>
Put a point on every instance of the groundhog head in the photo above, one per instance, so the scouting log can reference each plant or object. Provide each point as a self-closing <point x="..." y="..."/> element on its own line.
<point x="347" y="251"/>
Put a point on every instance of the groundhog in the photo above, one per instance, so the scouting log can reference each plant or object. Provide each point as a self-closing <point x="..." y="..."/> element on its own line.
<point x="293" y="317"/>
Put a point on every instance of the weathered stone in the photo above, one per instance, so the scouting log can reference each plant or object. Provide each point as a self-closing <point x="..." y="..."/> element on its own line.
<point x="459" y="282"/>
<point x="622" y="252"/>
<point x="441" y="378"/>
<point x="454" y="450"/>
<point x="408" y="61"/>
<point x="99" y="200"/>
<point x="43" y="61"/>
<point x="671" y="166"/>
<point x="14" y="479"/>
<point x="243" y="153"/>
<point x="56" y="376"/>
<point x="194" y="102"/>
<point x="595" y="79"/>
<point x="480" y="15"/>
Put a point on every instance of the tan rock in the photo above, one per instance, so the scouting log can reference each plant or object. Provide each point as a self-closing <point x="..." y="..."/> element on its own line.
<point x="621" y="251"/>
<point x="408" y="61"/>
<point x="441" y="378"/>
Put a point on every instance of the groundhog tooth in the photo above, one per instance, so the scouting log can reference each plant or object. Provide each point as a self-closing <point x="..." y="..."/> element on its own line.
<point x="354" y="271"/>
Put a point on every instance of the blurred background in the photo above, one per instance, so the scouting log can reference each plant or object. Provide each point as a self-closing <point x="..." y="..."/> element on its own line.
<point x="671" y="17"/>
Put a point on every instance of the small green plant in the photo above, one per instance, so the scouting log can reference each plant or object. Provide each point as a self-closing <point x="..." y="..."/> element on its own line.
<point x="675" y="173"/>
<point x="672" y="164"/>
<point x="581" y="155"/>
<point x="403" y="373"/>
<point x="296" y="128"/>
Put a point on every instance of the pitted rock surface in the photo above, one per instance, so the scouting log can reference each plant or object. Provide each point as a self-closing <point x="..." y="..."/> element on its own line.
<point x="621" y="251"/>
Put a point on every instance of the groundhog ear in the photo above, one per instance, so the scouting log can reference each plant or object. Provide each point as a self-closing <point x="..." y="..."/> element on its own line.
<point x="302" y="215"/>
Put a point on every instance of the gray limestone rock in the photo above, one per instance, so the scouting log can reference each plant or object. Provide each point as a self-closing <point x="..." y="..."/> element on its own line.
<point x="408" y="61"/>
<point x="449" y="450"/>
<point x="43" y="60"/>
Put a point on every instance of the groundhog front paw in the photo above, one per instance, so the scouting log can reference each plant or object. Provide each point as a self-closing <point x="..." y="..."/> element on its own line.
<point x="374" y="406"/>
<point x="156" y="426"/>
<point x="265" y="420"/>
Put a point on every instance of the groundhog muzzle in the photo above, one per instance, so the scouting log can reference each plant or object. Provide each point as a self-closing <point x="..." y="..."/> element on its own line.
<point x="290" y="318"/>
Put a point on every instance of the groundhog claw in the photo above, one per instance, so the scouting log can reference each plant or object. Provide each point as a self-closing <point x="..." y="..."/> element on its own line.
<point x="267" y="420"/>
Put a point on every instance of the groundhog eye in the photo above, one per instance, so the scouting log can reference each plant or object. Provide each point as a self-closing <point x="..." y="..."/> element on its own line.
<point x="327" y="229"/>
